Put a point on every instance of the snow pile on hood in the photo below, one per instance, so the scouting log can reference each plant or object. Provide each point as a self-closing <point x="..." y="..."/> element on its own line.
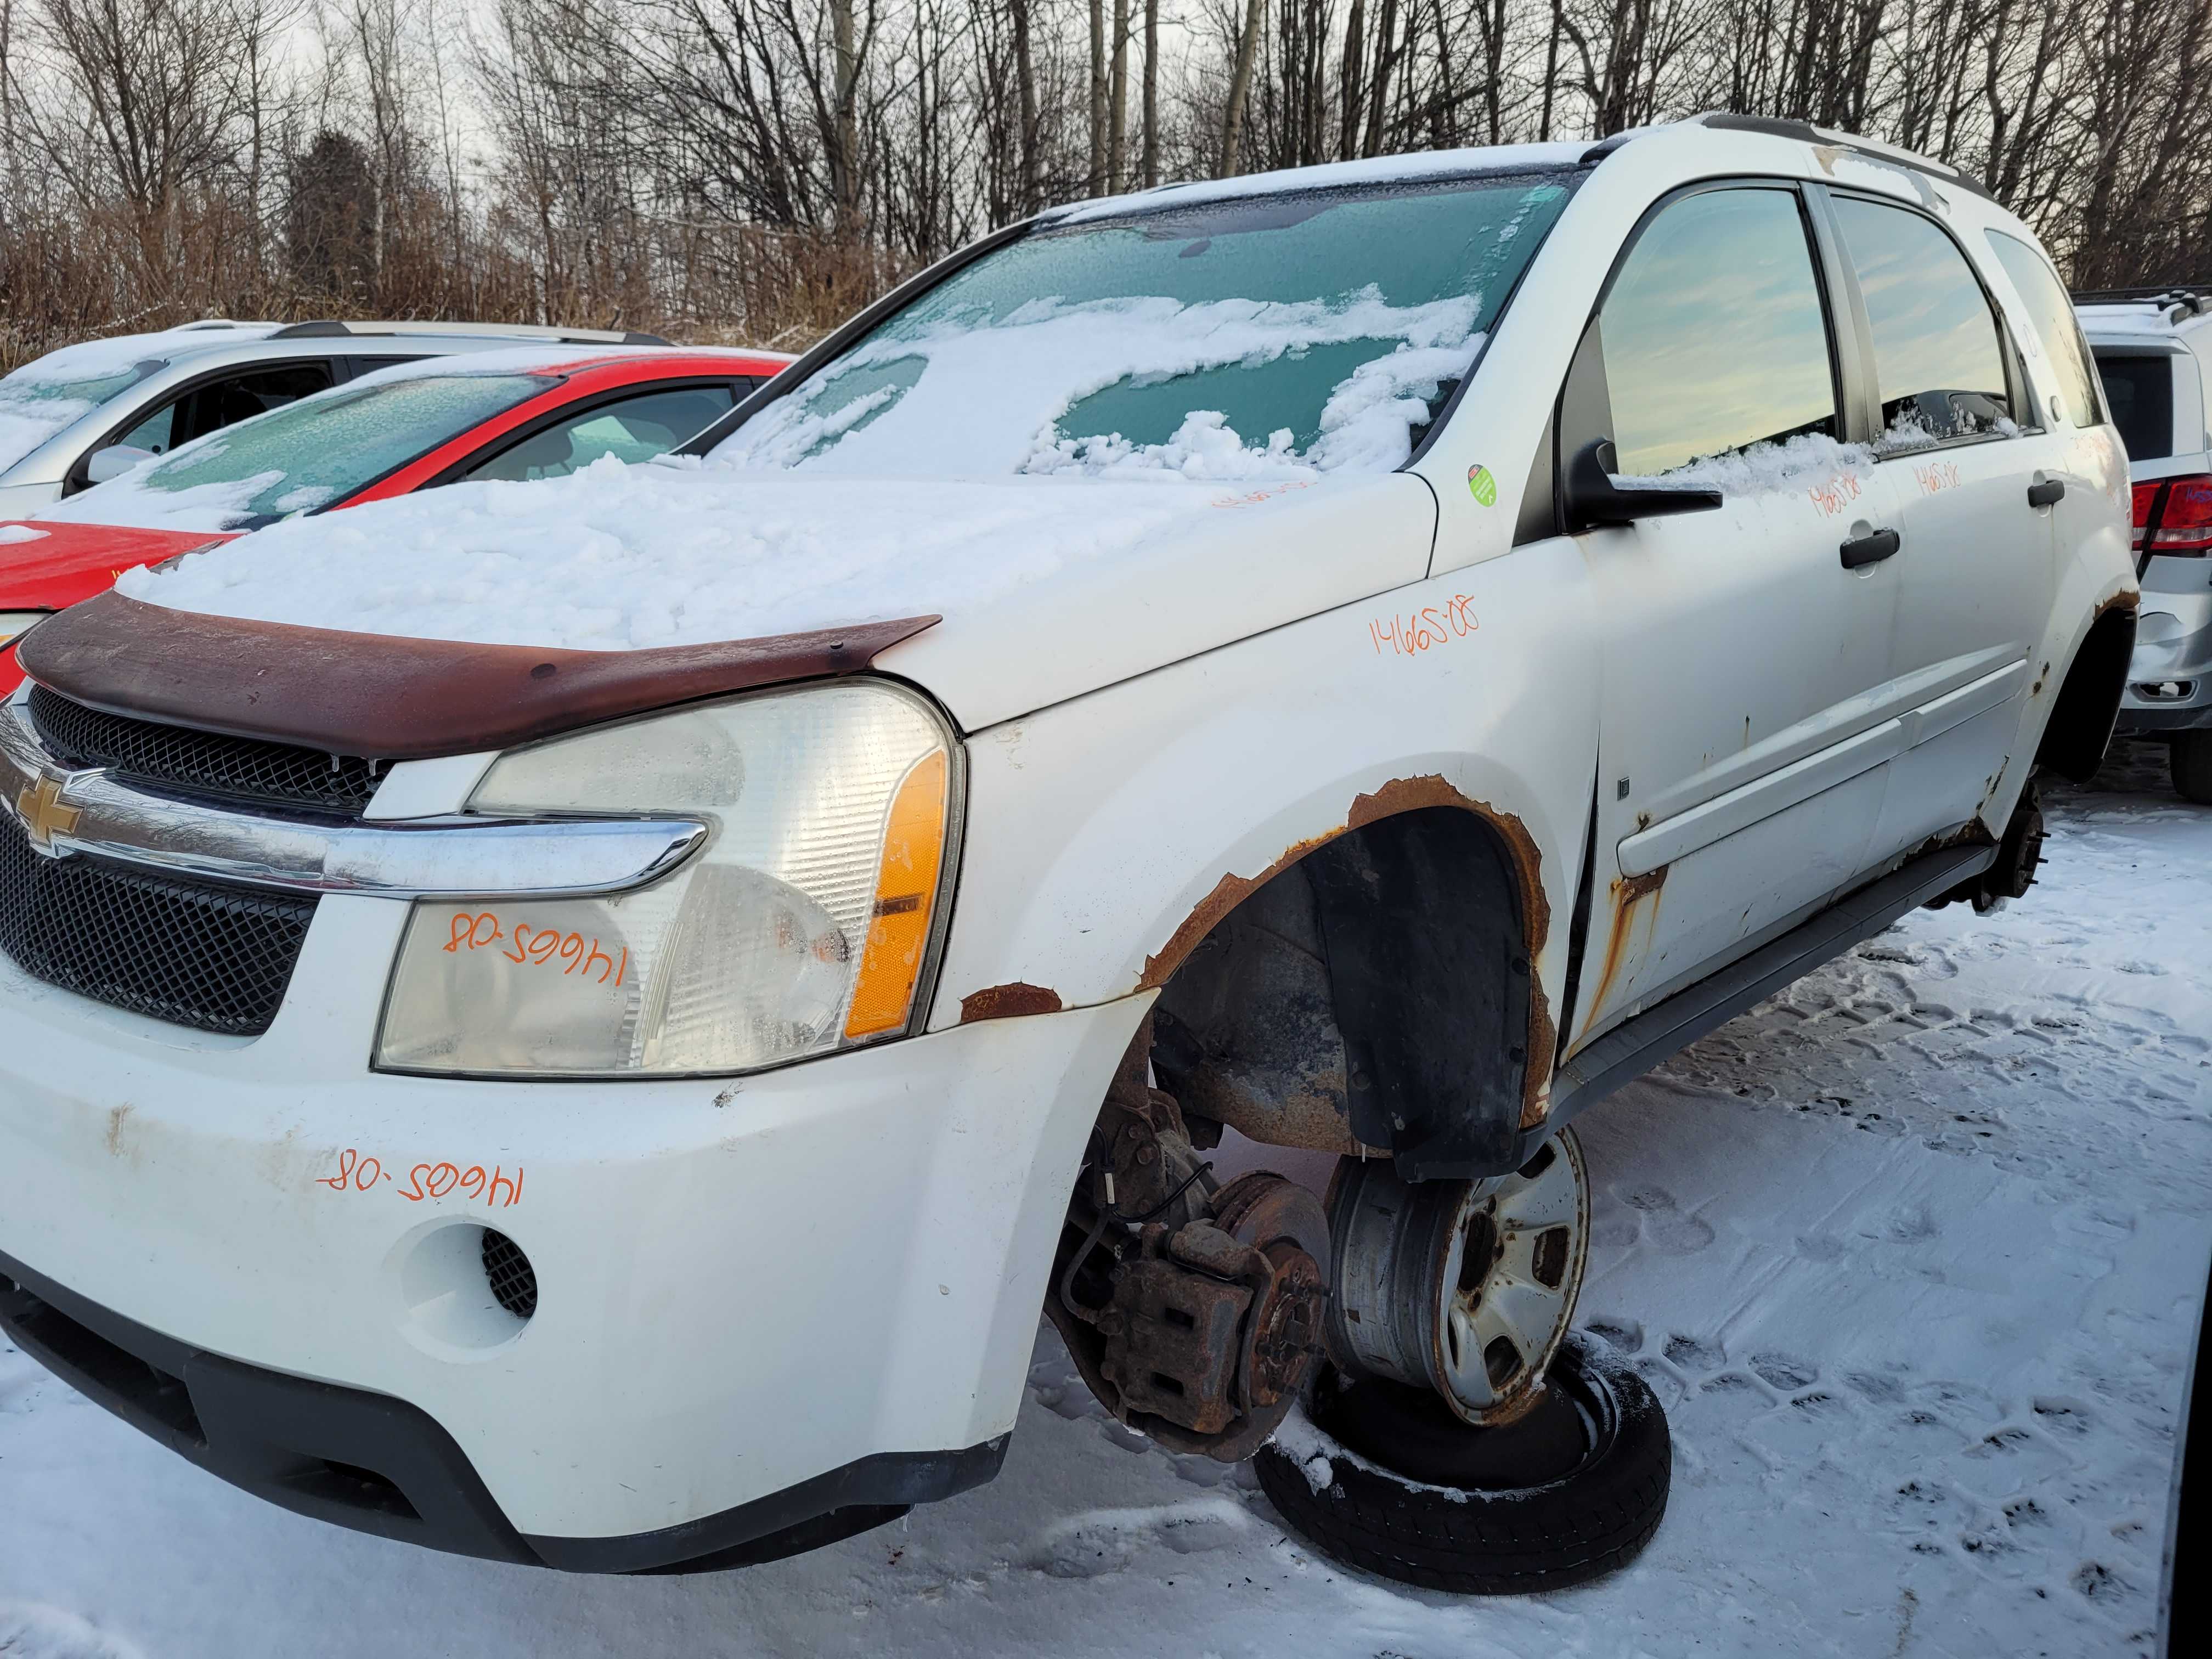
<point x="20" y="532"/>
<point x="616" y="558"/>
<point x="984" y="401"/>
<point x="1367" y="426"/>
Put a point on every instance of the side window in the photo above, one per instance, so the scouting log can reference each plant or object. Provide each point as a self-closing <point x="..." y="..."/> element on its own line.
<point x="1714" y="335"/>
<point x="2056" y="326"/>
<point x="1939" y="365"/>
<point x="635" y="429"/>
<point x="216" y="404"/>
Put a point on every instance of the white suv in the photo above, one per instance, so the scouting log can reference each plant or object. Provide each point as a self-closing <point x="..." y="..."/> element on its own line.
<point x="87" y="413"/>
<point x="588" y="1037"/>
<point x="2152" y="346"/>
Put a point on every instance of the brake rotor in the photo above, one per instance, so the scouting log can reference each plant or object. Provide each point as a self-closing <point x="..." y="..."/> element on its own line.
<point x="1464" y="1287"/>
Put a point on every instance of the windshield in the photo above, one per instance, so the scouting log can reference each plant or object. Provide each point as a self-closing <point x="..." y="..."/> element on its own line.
<point x="303" y="456"/>
<point x="1279" y="336"/>
<point x="60" y="389"/>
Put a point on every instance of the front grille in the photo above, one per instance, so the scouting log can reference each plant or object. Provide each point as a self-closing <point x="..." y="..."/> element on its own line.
<point x="193" y="953"/>
<point x="206" y="761"/>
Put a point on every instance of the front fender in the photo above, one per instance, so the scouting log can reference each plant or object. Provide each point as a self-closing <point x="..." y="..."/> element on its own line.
<point x="1106" y="835"/>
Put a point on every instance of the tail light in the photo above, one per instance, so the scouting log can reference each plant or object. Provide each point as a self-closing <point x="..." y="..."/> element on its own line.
<point x="2173" y="516"/>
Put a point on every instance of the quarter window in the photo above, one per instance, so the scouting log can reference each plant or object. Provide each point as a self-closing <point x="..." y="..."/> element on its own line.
<point x="1714" y="335"/>
<point x="1938" y="362"/>
<point x="2055" y="325"/>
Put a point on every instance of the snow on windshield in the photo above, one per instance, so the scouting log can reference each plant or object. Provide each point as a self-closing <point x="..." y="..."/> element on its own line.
<point x="1267" y="335"/>
<point x="989" y="400"/>
<point x="56" y="391"/>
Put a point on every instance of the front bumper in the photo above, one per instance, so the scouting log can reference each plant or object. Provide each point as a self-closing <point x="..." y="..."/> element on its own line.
<point x="759" y="1300"/>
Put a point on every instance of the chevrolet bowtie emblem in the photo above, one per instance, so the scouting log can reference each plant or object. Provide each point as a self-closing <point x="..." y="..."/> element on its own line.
<point x="43" y="811"/>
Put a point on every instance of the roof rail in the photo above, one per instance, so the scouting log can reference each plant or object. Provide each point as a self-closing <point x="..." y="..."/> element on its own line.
<point x="330" y="328"/>
<point x="1873" y="150"/>
<point x="2178" y="301"/>
<point x="208" y="322"/>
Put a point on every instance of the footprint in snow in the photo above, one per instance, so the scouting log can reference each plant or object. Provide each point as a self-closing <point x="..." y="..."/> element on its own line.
<point x="2138" y="965"/>
<point x="1664" y="1227"/>
<point x="31" y="1630"/>
<point x="1102" y="1541"/>
<point x="1781" y="1370"/>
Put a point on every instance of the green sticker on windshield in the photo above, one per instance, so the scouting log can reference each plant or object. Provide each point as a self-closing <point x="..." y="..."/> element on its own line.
<point x="1484" y="486"/>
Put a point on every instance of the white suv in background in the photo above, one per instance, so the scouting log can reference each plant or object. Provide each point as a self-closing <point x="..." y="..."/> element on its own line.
<point x="89" y="412"/>
<point x="2150" y="346"/>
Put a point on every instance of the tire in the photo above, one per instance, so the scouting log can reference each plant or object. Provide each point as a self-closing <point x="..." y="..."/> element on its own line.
<point x="2192" y="761"/>
<point x="1490" y="1538"/>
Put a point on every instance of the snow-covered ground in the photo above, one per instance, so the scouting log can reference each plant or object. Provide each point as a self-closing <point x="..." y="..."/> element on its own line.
<point x="1913" y="1254"/>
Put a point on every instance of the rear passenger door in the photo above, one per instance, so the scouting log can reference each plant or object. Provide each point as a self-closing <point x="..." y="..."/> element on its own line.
<point x="1960" y="448"/>
<point x="1741" y="769"/>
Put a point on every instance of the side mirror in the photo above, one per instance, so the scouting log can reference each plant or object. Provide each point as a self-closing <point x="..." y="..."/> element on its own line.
<point x="115" y="461"/>
<point x="1593" y="498"/>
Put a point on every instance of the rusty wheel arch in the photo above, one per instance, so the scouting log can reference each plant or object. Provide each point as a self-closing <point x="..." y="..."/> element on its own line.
<point x="1372" y="990"/>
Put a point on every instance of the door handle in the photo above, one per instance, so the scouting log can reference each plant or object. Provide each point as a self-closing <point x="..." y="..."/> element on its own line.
<point x="2046" y="495"/>
<point x="1870" y="549"/>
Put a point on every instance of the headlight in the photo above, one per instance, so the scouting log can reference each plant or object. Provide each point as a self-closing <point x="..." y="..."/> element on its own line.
<point x="805" y="924"/>
<point x="14" y="625"/>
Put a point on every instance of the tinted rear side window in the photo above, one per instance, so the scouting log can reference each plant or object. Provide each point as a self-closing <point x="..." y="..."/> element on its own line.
<point x="2140" y="392"/>
<point x="1936" y="357"/>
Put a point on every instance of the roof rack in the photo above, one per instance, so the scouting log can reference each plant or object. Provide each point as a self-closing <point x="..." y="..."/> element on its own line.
<point x="2178" y="301"/>
<point x="332" y="329"/>
<point x="1872" y="149"/>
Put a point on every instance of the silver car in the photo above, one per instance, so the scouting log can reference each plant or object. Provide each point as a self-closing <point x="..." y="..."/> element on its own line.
<point x="89" y="412"/>
<point x="2151" y="346"/>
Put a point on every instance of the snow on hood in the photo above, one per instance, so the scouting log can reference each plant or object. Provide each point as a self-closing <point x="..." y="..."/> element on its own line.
<point x="616" y="558"/>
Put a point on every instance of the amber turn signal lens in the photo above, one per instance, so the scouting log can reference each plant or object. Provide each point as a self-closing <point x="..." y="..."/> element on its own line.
<point x="906" y="897"/>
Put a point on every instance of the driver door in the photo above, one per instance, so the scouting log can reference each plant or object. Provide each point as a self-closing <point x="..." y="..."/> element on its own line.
<point x="1741" y="769"/>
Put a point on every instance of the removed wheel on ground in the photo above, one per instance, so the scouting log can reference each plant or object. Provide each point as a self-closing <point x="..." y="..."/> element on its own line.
<point x="1387" y="1478"/>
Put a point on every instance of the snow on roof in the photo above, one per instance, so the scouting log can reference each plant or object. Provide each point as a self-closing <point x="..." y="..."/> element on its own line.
<point x="1373" y="170"/>
<point x="616" y="558"/>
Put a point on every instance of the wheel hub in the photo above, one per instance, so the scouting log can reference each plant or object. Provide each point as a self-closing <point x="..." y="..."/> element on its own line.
<point x="1462" y="1287"/>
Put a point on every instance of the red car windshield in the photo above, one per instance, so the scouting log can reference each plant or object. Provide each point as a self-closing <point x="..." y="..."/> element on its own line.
<point x="302" y="457"/>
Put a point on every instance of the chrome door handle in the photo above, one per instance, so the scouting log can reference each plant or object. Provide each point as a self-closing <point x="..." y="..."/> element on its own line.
<point x="1870" y="549"/>
<point x="2046" y="495"/>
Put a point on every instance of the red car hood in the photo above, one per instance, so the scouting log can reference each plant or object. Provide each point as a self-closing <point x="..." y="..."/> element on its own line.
<point x="66" y="562"/>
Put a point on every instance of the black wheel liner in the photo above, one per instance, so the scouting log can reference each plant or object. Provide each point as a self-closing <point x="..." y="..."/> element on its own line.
<point x="1568" y="1531"/>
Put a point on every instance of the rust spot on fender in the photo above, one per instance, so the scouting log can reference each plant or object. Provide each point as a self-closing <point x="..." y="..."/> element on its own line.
<point x="1626" y="893"/>
<point x="1008" y="1002"/>
<point x="2128" y="598"/>
<point x="1397" y="796"/>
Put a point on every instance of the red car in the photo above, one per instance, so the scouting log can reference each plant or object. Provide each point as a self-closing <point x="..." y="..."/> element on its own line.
<point x="533" y="412"/>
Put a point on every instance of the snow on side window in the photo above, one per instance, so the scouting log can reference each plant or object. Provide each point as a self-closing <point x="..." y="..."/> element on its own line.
<point x="1286" y="336"/>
